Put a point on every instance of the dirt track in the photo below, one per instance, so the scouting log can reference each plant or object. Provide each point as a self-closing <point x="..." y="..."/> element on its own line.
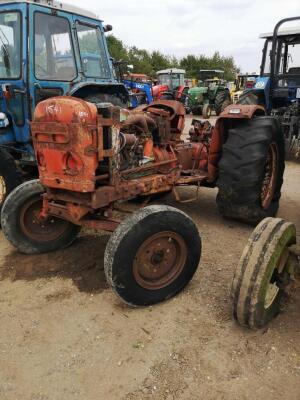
<point x="65" y="336"/>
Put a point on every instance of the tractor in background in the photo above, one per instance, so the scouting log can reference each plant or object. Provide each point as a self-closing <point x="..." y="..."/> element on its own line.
<point x="171" y="85"/>
<point x="277" y="88"/>
<point x="47" y="49"/>
<point x="242" y="82"/>
<point x="139" y="87"/>
<point x="211" y="94"/>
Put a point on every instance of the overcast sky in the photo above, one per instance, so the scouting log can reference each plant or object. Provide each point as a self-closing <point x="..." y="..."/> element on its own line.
<point x="180" y="27"/>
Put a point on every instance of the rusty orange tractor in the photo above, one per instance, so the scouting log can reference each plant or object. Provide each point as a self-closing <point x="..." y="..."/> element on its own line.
<point x="92" y="157"/>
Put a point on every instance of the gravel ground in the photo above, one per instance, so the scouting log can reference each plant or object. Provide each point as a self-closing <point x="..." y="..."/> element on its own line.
<point x="64" y="334"/>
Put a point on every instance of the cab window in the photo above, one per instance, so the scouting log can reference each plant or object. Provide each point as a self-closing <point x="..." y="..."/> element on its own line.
<point x="10" y="45"/>
<point x="54" y="56"/>
<point x="92" y="51"/>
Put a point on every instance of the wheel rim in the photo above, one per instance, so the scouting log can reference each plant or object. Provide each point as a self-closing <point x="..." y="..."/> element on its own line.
<point x="269" y="181"/>
<point x="271" y="294"/>
<point x="159" y="260"/>
<point x="272" y="288"/>
<point x="40" y="229"/>
<point x="2" y="189"/>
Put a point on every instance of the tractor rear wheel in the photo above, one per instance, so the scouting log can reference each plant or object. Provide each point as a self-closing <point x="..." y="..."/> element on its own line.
<point x="262" y="273"/>
<point x="10" y="175"/>
<point x="26" y="230"/>
<point x="222" y="100"/>
<point x="251" y="170"/>
<point x="152" y="255"/>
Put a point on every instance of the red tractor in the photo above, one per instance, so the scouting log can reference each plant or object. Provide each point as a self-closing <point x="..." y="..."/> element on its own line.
<point x="92" y="158"/>
<point x="171" y="85"/>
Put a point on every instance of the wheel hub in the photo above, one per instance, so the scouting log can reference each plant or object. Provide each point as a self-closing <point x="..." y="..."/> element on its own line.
<point x="37" y="228"/>
<point x="271" y="294"/>
<point x="273" y="288"/>
<point x="2" y="189"/>
<point x="269" y="182"/>
<point x="159" y="260"/>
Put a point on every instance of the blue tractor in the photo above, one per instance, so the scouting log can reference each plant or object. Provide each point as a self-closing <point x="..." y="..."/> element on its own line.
<point x="277" y="88"/>
<point x="140" y="92"/>
<point x="47" y="49"/>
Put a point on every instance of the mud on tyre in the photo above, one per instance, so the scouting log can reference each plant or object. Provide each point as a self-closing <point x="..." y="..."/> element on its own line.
<point x="262" y="273"/>
<point x="23" y="227"/>
<point x="251" y="170"/>
<point x="152" y="255"/>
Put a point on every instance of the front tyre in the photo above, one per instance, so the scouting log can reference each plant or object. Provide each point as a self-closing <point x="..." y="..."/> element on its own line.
<point x="206" y="112"/>
<point x="262" y="273"/>
<point x="152" y="255"/>
<point x="26" y="230"/>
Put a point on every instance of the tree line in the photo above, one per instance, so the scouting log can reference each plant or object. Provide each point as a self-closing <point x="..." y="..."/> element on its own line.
<point x="149" y="62"/>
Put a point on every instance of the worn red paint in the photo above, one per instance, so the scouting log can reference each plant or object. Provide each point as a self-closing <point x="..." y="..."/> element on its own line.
<point x="89" y="158"/>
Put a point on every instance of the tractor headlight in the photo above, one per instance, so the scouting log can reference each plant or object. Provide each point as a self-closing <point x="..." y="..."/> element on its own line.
<point x="4" y="122"/>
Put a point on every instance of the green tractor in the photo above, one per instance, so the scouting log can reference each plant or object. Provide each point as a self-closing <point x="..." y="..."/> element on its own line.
<point x="211" y="94"/>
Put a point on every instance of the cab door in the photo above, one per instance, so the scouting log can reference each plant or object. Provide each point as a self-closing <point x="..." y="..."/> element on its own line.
<point x="53" y="70"/>
<point x="13" y="72"/>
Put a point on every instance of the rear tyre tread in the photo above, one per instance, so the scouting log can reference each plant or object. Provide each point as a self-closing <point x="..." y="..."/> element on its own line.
<point x="241" y="170"/>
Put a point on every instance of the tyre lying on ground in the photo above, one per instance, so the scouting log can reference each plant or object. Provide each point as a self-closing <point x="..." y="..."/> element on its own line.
<point x="251" y="170"/>
<point x="262" y="273"/>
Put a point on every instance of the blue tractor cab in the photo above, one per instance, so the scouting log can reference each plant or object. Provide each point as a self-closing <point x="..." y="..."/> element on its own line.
<point x="47" y="49"/>
<point x="278" y="86"/>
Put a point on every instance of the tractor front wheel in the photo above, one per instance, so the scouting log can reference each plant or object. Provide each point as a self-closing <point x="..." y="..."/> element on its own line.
<point x="10" y="175"/>
<point x="152" y="255"/>
<point x="251" y="170"/>
<point x="206" y="112"/>
<point x="26" y="230"/>
<point x="262" y="273"/>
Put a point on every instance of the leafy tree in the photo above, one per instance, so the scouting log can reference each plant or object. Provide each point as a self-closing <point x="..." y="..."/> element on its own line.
<point x="149" y="63"/>
<point x="116" y="48"/>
